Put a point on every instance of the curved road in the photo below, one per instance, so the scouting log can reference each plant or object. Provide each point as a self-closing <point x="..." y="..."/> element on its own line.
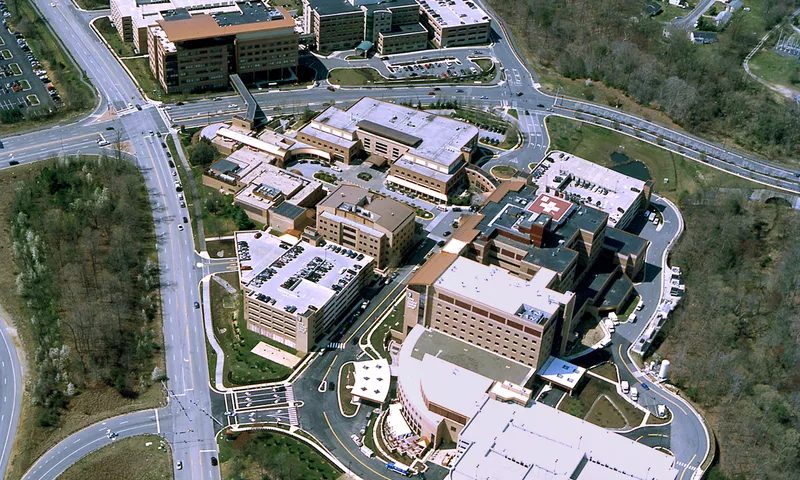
<point x="10" y="390"/>
<point x="187" y="421"/>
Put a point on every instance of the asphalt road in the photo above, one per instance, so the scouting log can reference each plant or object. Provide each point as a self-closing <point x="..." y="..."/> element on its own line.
<point x="10" y="391"/>
<point x="186" y="424"/>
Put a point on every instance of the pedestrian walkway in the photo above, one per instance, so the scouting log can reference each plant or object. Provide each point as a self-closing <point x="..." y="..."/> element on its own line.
<point x="337" y="346"/>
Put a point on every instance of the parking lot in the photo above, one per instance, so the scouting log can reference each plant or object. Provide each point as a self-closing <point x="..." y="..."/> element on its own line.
<point x="440" y="66"/>
<point x="23" y="83"/>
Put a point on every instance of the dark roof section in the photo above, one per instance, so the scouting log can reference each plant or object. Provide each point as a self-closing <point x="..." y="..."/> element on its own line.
<point x="288" y="210"/>
<point x="391" y="4"/>
<point x="177" y="14"/>
<point x="584" y="218"/>
<point x="390" y="133"/>
<point x="556" y="259"/>
<point x="398" y="30"/>
<point x="254" y="12"/>
<point x="332" y="7"/>
<point x="616" y="295"/>
<point x="619" y="241"/>
<point x="225" y="167"/>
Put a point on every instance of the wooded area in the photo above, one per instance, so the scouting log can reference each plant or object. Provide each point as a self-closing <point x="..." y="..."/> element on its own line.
<point x="733" y="340"/>
<point x="84" y="247"/>
<point x="702" y="88"/>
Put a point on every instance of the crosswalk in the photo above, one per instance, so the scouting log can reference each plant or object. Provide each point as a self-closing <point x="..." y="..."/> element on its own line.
<point x="336" y="345"/>
<point x="686" y="466"/>
<point x="293" y="421"/>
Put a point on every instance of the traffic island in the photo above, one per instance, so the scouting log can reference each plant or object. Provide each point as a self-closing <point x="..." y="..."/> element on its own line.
<point x="503" y="172"/>
<point x="344" y="391"/>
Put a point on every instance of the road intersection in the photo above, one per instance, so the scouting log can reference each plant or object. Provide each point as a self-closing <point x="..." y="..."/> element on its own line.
<point x="187" y="422"/>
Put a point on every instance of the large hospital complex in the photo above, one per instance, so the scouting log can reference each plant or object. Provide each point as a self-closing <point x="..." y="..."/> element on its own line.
<point x="491" y="311"/>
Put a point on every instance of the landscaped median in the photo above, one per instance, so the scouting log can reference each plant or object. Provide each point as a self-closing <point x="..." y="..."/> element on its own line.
<point x="370" y="76"/>
<point x="346" y="381"/>
<point x="503" y="172"/>
<point x="379" y="338"/>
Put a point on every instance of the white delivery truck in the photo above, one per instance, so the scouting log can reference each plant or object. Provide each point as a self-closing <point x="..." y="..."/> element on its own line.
<point x="625" y="386"/>
<point x="634" y="394"/>
<point x="367" y="451"/>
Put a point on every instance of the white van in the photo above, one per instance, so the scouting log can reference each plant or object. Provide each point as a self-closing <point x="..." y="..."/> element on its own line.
<point x="632" y="318"/>
<point x="640" y="305"/>
<point x="367" y="451"/>
<point x="634" y="394"/>
<point x="625" y="386"/>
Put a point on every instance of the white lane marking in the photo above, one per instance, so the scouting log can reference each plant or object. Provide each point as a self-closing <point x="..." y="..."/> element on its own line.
<point x="158" y="424"/>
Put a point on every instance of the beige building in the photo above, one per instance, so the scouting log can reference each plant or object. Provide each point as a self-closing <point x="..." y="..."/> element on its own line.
<point x="295" y="292"/>
<point x="455" y="23"/>
<point x="489" y="307"/>
<point x="368" y="223"/>
<point x="194" y="52"/>
<point x="268" y="194"/>
<point x="428" y="153"/>
<point x="334" y="25"/>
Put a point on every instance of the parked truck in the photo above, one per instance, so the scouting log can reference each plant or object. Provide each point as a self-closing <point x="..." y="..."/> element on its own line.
<point x="634" y="394"/>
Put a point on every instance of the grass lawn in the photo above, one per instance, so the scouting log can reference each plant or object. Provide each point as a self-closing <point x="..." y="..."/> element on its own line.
<point x="25" y="85"/>
<point x="288" y="4"/>
<point x="503" y="172"/>
<point x="513" y="112"/>
<point x="484" y="64"/>
<point x="597" y="144"/>
<point x="241" y="366"/>
<point x="423" y="214"/>
<point x="346" y="380"/>
<point x="6" y="54"/>
<point x="109" y="33"/>
<point x="93" y="4"/>
<point x="354" y="76"/>
<point x="604" y="414"/>
<point x="775" y="68"/>
<point x="606" y="370"/>
<point x="226" y="247"/>
<point x="90" y="406"/>
<point x="580" y="404"/>
<point x="393" y="321"/>
<point x="269" y="454"/>
<point x="127" y="458"/>
<point x="15" y="69"/>
<point x="33" y="99"/>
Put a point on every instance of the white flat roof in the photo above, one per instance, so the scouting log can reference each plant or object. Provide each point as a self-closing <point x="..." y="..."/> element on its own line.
<point x="440" y="138"/>
<point x="499" y="289"/>
<point x="561" y="372"/>
<point x="455" y="12"/>
<point x="511" y="442"/>
<point x="452" y="387"/>
<point x="298" y="275"/>
<point x="618" y="184"/>
<point x="373" y="379"/>
<point x="252" y="142"/>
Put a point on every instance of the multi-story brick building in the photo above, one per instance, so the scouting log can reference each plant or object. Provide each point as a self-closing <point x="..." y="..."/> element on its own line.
<point x="294" y="291"/>
<point x="428" y="153"/>
<point x="197" y="52"/>
<point x="455" y="23"/>
<point x="489" y="307"/>
<point x="368" y="223"/>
